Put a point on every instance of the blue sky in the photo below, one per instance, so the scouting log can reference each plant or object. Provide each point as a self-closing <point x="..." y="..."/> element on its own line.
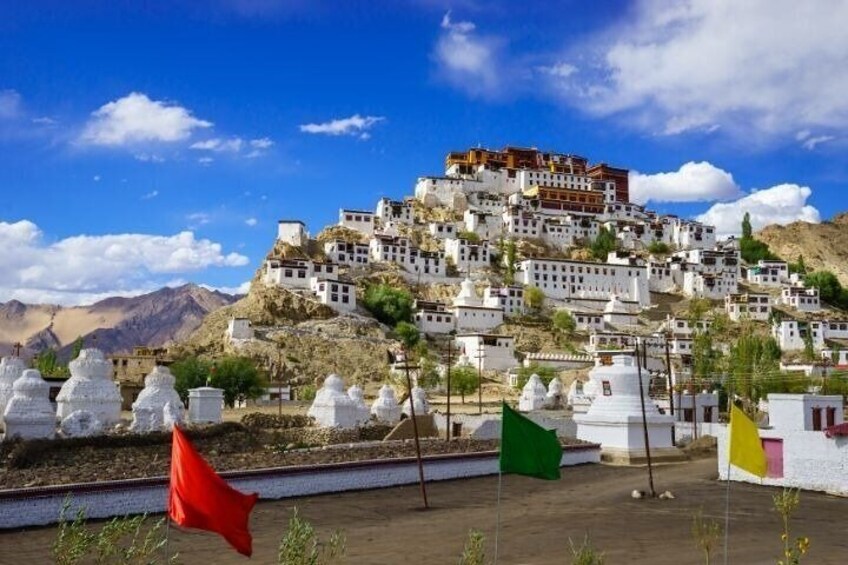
<point x="144" y="144"/>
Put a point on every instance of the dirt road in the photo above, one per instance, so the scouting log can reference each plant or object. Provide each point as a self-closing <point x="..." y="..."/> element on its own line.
<point x="537" y="520"/>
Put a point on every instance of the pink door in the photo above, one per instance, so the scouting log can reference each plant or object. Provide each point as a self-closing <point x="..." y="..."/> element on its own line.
<point x="774" y="456"/>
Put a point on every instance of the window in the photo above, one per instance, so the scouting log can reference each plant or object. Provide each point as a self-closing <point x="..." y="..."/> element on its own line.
<point x="817" y="419"/>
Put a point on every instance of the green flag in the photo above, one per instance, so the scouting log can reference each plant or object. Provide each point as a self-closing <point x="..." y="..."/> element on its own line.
<point x="527" y="448"/>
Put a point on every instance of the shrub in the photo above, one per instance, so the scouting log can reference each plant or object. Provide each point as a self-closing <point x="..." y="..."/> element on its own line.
<point x="473" y="553"/>
<point x="546" y="374"/>
<point x="301" y="546"/>
<point x="388" y="304"/>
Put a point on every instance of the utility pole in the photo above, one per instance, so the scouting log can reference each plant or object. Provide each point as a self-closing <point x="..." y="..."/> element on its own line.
<point x="448" y="419"/>
<point x="480" y="376"/>
<point x="645" y="423"/>
<point x="670" y="389"/>
<point x="415" y="428"/>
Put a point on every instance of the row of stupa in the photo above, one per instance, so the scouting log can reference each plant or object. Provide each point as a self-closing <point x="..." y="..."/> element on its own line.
<point x="335" y="408"/>
<point x="89" y="402"/>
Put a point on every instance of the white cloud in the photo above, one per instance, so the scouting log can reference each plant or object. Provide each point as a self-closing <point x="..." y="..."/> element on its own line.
<point x="251" y="222"/>
<point x="354" y="125"/>
<point x="758" y="68"/>
<point x="466" y="59"/>
<point x="136" y="118"/>
<point x="243" y="288"/>
<point x="197" y="219"/>
<point x="232" y="145"/>
<point x="149" y="158"/>
<point x="151" y="194"/>
<point x="559" y="70"/>
<point x="10" y="104"/>
<point x="809" y="141"/>
<point x="261" y="143"/>
<point x="44" y="121"/>
<point x="205" y="160"/>
<point x="781" y="204"/>
<point x="83" y="268"/>
<point x="693" y="182"/>
<point x="96" y="178"/>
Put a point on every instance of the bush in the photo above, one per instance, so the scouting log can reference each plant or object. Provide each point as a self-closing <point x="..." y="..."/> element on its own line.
<point x="604" y="244"/>
<point x="534" y="298"/>
<point x="469" y="236"/>
<point x="388" y="304"/>
<point x="546" y="374"/>
<point x="659" y="247"/>
<point x="473" y="553"/>
<point x="301" y="546"/>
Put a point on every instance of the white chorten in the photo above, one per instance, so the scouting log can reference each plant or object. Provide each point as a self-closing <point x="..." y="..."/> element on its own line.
<point x="422" y="407"/>
<point x="205" y="405"/>
<point x="29" y="413"/>
<point x="617" y="314"/>
<point x="90" y="388"/>
<point x="386" y="408"/>
<point x="554" y="397"/>
<point x="363" y="413"/>
<point x="10" y="369"/>
<point x="532" y="395"/>
<point x="149" y="407"/>
<point x="614" y="419"/>
<point x="578" y="399"/>
<point x="332" y="408"/>
<point x="467" y="295"/>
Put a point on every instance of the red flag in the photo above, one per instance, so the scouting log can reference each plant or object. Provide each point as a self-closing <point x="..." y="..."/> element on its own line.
<point x="199" y="498"/>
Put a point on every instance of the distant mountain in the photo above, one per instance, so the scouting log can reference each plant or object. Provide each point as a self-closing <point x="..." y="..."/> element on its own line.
<point x="155" y="319"/>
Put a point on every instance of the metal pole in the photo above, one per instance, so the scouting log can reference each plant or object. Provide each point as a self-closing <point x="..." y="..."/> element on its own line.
<point x="645" y="423"/>
<point x="448" y="419"/>
<point x="415" y="430"/>
<point x="480" y="378"/>
<point x="670" y="389"/>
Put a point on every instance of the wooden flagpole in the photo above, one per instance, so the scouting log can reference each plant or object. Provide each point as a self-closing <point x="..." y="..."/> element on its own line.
<point x="727" y="487"/>
<point x="645" y="423"/>
<point x="415" y="429"/>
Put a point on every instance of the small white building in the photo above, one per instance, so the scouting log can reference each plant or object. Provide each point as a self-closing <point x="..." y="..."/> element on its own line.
<point x="400" y="250"/>
<point x="434" y="320"/>
<point x="292" y="232"/>
<point x="661" y="278"/>
<point x="239" y="329"/>
<point x="801" y="298"/>
<point x="749" y="305"/>
<point x="562" y="279"/>
<point x="486" y="226"/>
<point x="495" y="352"/>
<point x="442" y="230"/>
<point x="337" y="294"/>
<point x="361" y="221"/>
<point x="520" y="224"/>
<point x="510" y="298"/>
<point x="468" y="256"/>
<point x="791" y="334"/>
<point x="687" y="234"/>
<point x="706" y="285"/>
<point x="768" y="273"/>
<point x="585" y="321"/>
<point x="396" y="211"/>
<point x="471" y="314"/>
<point x="601" y="341"/>
<point x="296" y="273"/>
<point x="616" y="314"/>
<point x="347" y="253"/>
<point x="683" y="327"/>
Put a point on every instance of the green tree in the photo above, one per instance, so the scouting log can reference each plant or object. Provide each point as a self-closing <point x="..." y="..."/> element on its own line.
<point x="534" y="298"/>
<point x="464" y="380"/>
<point x="546" y="374"/>
<point x="830" y="289"/>
<point x="658" y="247"/>
<point x="388" y="304"/>
<point x="809" y="350"/>
<point x="604" y="244"/>
<point x="78" y="346"/>
<point x="799" y="266"/>
<point x="239" y="378"/>
<point x="510" y="260"/>
<point x="408" y="335"/>
<point x="563" y="323"/>
<point x="747" y="232"/>
<point x="428" y="367"/>
<point x="47" y="363"/>
<point x="190" y="372"/>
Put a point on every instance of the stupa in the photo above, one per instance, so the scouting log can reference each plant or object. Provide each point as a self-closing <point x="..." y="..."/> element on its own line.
<point x="555" y="398"/>
<point x="614" y="419"/>
<point x="332" y="408"/>
<point x="90" y="388"/>
<point x="29" y="413"/>
<point x="422" y="407"/>
<point x="578" y="397"/>
<point x="363" y="413"/>
<point x="11" y="368"/>
<point x="617" y="314"/>
<point x="533" y="394"/>
<point x="205" y="405"/>
<point x="386" y="408"/>
<point x="467" y="295"/>
<point x="149" y="407"/>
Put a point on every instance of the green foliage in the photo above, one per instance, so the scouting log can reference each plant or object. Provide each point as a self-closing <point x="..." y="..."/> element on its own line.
<point x="121" y="540"/>
<point x="799" y="266"/>
<point x="563" y="323"/>
<point x="239" y="379"/>
<point x="47" y="363"/>
<point x="469" y="236"/>
<point x="301" y="546"/>
<point x="753" y="364"/>
<point x="306" y="393"/>
<point x="659" y="247"/>
<point x="388" y="304"/>
<point x="604" y="244"/>
<point x="428" y="371"/>
<point x="190" y="372"/>
<point x="585" y="554"/>
<point x="546" y="374"/>
<point x="747" y="232"/>
<point x="705" y="357"/>
<point x="510" y="260"/>
<point x="830" y="289"/>
<point x="809" y="350"/>
<point x="78" y="345"/>
<point x="534" y="298"/>
<point x="785" y="504"/>
<point x="464" y="380"/>
<point x="408" y="335"/>
<point x="706" y="533"/>
<point x="473" y="553"/>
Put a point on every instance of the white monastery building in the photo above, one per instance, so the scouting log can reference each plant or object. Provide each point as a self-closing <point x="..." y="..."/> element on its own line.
<point x="494" y="352"/>
<point x="563" y="279"/>
<point x="363" y="222"/>
<point x="801" y="298"/>
<point x="396" y="211"/>
<point x="471" y="314"/>
<point x="337" y="294"/>
<point x="292" y="232"/>
<point x="468" y="256"/>
<point x="347" y="253"/>
<point x="510" y="298"/>
<point x="749" y="305"/>
<point x="768" y="273"/>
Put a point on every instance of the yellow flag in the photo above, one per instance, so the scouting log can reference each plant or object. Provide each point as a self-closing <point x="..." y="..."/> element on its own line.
<point x="746" y="449"/>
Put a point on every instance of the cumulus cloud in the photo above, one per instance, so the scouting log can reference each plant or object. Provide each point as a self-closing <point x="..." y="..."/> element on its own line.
<point x="781" y="204"/>
<point x="559" y="70"/>
<point x="82" y="268"/>
<point x="261" y="143"/>
<point x="151" y="194"/>
<point x="758" y="68"/>
<point x="354" y="125"/>
<point x="10" y="104"/>
<point x="465" y="58"/>
<point x="692" y="182"/>
<point x="232" y="145"/>
<point x="136" y="118"/>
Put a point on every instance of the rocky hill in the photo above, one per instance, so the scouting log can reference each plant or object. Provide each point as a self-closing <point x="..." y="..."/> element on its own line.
<point x="155" y="319"/>
<point x="823" y="246"/>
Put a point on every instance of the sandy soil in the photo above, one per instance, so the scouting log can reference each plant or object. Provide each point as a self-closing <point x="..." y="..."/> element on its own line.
<point x="537" y="520"/>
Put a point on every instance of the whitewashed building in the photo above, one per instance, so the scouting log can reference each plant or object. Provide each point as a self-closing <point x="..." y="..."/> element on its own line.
<point x="396" y="211"/>
<point x="400" y="250"/>
<point x="347" y="253"/>
<point x="239" y="328"/>
<point x="337" y="294"/>
<point x="442" y="230"/>
<point x="768" y="273"/>
<point x="683" y="327"/>
<point x="361" y="221"/>
<point x="292" y="232"/>
<point x="296" y="273"/>
<point x="836" y="357"/>
<point x="836" y="329"/>
<point x="468" y="256"/>
<point x="471" y="314"/>
<point x="706" y="285"/>
<point x="601" y="341"/>
<point x="494" y="352"/>
<point x="510" y="298"/>
<point x="562" y="279"/>
<point x="801" y="298"/>
<point x="517" y="223"/>
<point x="588" y="321"/>
<point x="749" y="305"/>
<point x="791" y="334"/>
<point x="485" y="225"/>
<point x="661" y="278"/>
<point x="616" y="314"/>
<point x="687" y="234"/>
